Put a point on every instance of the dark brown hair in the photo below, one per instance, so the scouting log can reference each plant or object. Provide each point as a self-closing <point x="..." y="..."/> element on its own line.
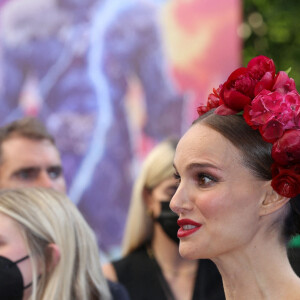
<point x="256" y="154"/>
<point x="27" y="127"/>
<point x="255" y="151"/>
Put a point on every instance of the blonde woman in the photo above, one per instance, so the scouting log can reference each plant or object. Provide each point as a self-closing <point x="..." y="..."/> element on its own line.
<point x="151" y="267"/>
<point x="47" y="250"/>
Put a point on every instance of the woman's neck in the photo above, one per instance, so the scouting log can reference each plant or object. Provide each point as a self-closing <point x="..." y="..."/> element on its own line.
<point x="258" y="272"/>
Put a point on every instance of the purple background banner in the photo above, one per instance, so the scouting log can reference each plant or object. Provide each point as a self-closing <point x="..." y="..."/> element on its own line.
<point x="110" y="79"/>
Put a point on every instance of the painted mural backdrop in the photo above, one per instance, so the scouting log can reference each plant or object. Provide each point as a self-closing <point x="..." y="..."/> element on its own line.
<point x="110" y="78"/>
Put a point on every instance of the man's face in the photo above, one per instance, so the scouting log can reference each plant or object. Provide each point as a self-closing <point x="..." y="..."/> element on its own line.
<point x="28" y="162"/>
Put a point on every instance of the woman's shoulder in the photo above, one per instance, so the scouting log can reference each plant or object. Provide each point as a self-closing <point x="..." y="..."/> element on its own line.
<point x="113" y="269"/>
<point x="134" y="266"/>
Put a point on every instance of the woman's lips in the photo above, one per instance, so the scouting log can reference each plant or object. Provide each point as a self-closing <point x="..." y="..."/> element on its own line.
<point x="187" y="227"/>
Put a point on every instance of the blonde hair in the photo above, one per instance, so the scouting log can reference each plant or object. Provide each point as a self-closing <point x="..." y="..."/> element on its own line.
<point x="157" y="167"/>
<point x="47" y="217"/>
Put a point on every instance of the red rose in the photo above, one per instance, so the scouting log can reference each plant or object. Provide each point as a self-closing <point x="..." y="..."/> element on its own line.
<point x="213" y="101"/>
<point x="238" y="90"/>
<point x="297" y="118"/>
<point x="202" y="109"/>
<point x="286" y="181"/>
<point x="262" y="69"/>
<point x="260" y="65"/>
<point x="262" y="107"/>
<point x="292" y="100"/>
<point x="245" y="83"/>
<point x="283" y="83"/>
<point x="265" y="83"/>
<point x="248" y="117"/>
<point x="286" y="150"/>
<point x="271" y="131"/>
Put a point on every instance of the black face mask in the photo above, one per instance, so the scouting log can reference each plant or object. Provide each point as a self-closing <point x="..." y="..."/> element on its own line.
<point x="168" y="221"/>
<point x="11" y="279"/>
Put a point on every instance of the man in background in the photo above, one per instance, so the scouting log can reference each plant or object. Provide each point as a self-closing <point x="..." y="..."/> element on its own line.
<point x="29" y="157"/>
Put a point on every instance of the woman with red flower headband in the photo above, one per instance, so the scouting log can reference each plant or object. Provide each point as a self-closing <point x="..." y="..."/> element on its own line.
<point x="238" y="170"/>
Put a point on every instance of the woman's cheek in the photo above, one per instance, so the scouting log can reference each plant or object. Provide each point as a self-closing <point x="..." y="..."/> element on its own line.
<point x="211" y="203"/>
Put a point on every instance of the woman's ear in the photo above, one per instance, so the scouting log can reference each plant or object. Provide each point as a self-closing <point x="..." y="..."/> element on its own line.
<point x="272" y="201"/>
<point x="52" y="256"/>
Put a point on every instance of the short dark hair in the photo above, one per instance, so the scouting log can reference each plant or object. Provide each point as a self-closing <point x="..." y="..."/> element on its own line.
<point x="27" y="127"/>
<point x="256" y="154"/>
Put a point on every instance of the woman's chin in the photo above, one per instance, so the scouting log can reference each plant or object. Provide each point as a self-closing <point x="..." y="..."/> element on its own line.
<point x="188" y="252"/>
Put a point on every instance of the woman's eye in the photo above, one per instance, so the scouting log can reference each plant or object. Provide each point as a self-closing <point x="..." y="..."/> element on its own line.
<point x="205" y="180"/>
<point x="177" y="178"/>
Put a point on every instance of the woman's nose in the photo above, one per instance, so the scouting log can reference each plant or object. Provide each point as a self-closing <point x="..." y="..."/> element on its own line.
<point x="180" y="201"/>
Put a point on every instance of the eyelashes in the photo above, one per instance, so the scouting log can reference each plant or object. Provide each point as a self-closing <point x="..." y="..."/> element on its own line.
<point x="202" y="179"/>
<point x="177" y="178"/>
<point x="205" y="179"/>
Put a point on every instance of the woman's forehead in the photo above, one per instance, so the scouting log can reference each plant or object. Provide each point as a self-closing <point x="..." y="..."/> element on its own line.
<point x="201" y="142"/>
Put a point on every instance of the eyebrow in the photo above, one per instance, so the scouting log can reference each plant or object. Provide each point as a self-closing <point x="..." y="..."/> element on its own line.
<point x="28" y="169"/>
<point x="200" y="165"/>
<point x="37" y="168"/>
<point x="58" y="167"/>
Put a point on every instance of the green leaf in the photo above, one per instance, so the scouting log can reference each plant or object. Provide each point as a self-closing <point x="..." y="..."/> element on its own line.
<point x="288" y="70"/>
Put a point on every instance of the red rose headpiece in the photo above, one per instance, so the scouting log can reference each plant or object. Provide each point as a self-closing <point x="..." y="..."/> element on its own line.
<point x="271" y="104"/>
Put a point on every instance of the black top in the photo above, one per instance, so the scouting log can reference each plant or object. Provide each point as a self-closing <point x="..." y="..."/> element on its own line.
<point x="141" y="275"/>
<point x="294" y="258"/>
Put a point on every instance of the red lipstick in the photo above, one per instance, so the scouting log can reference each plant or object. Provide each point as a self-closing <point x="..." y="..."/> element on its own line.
<point x="187" y="227"/>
